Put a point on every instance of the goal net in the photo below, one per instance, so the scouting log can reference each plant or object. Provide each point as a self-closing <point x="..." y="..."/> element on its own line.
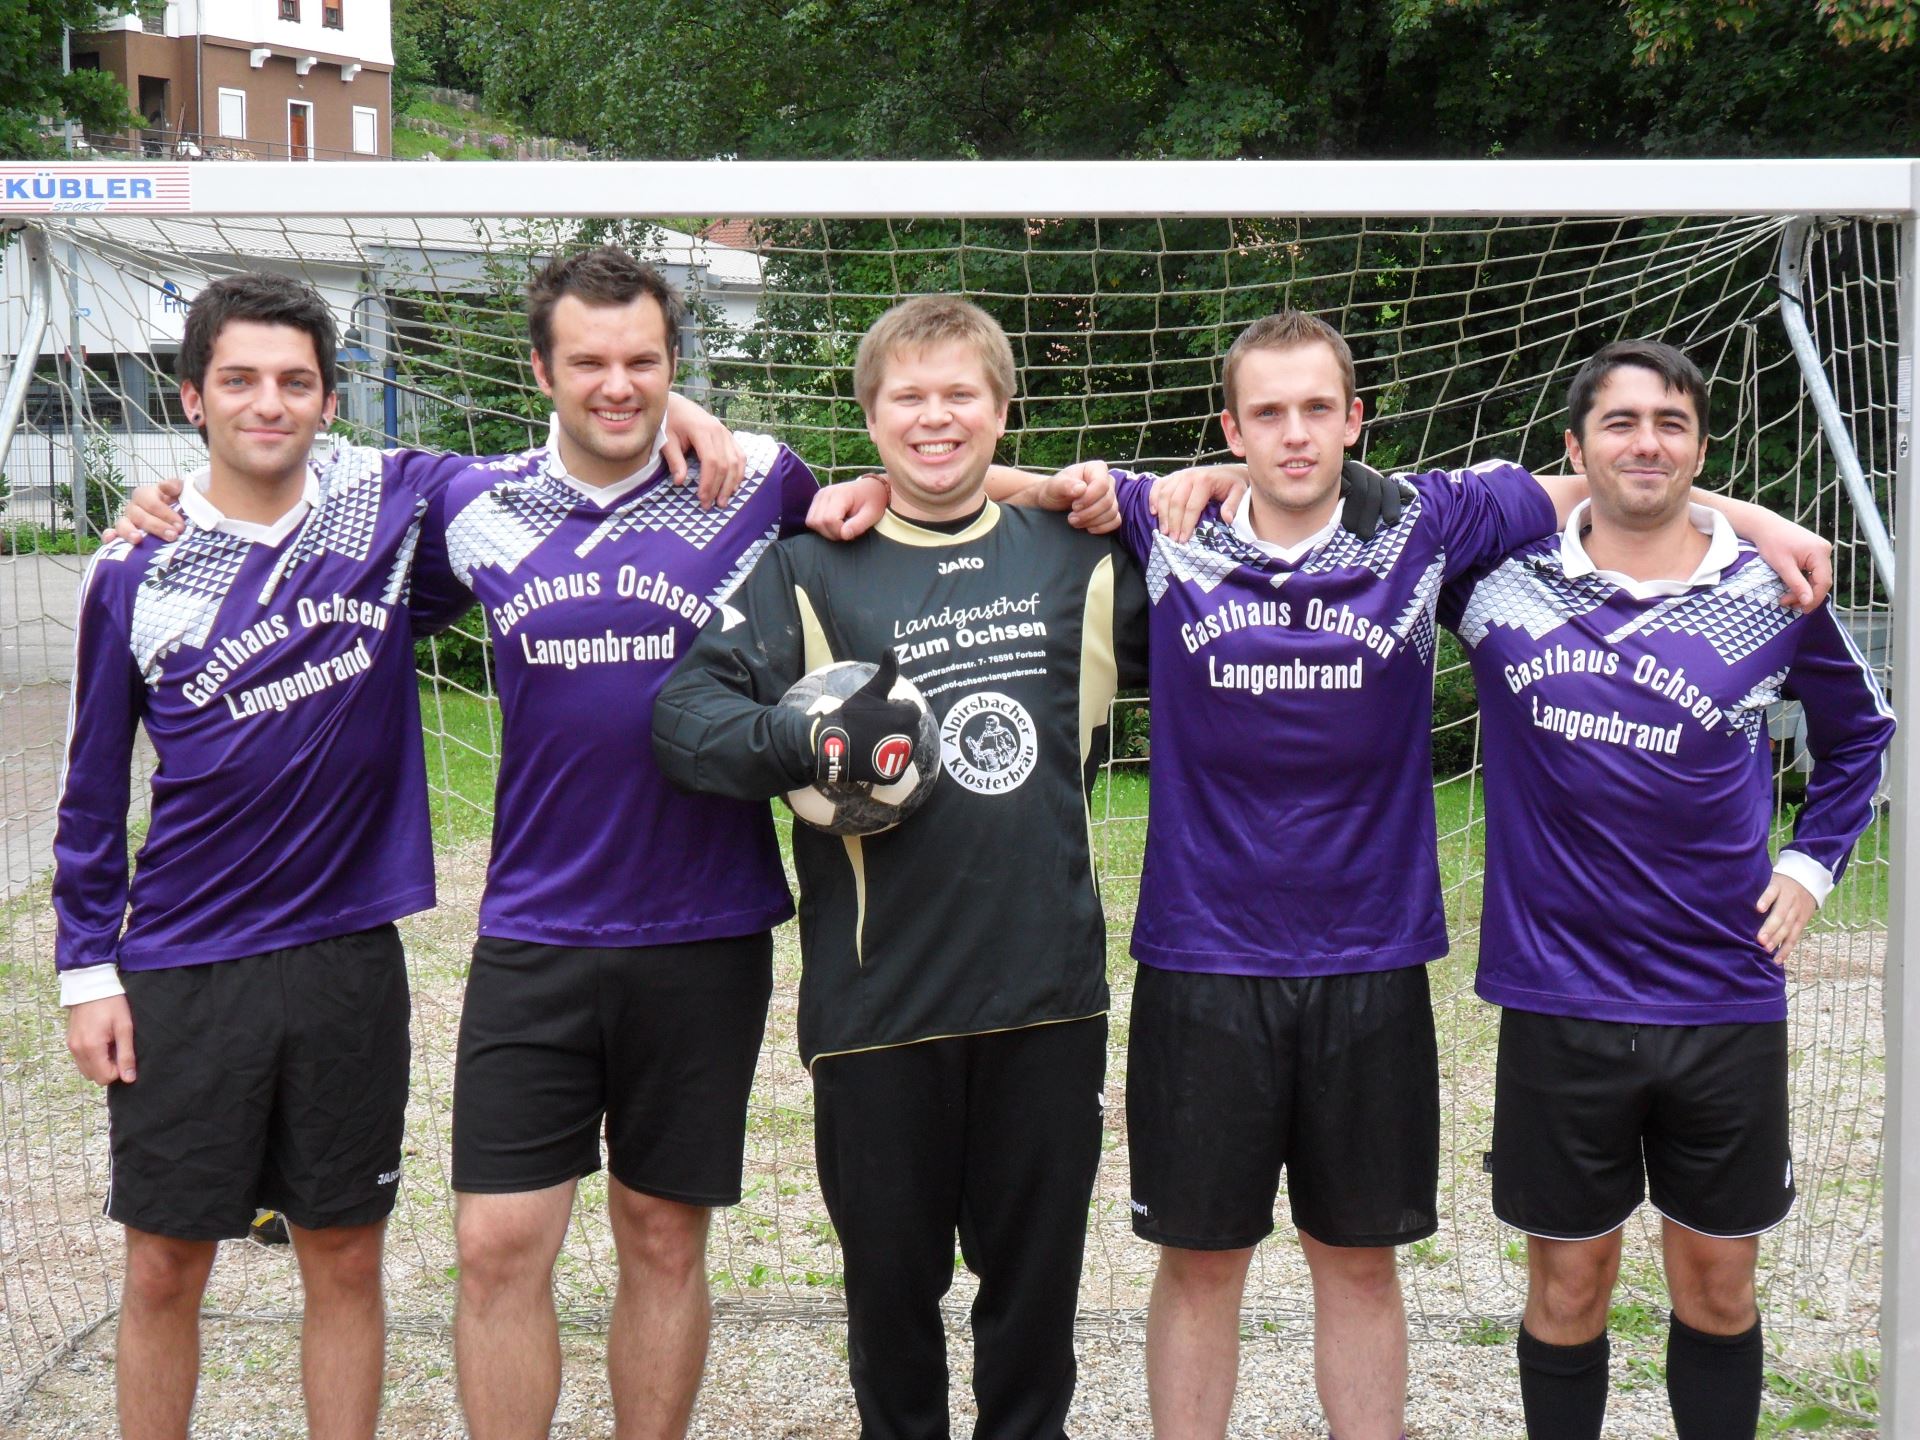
<point x="1465" y="331"/>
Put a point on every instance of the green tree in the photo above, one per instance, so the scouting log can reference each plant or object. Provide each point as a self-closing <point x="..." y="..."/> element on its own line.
<point x="34" y="95"/>
<point x="1289" y="78"/>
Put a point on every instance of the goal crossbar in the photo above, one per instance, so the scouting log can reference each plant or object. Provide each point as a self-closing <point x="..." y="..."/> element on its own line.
<point x="1016" y="189"/>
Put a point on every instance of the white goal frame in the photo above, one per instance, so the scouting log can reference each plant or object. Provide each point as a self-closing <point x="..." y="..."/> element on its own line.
<point x="1880" y="189"/>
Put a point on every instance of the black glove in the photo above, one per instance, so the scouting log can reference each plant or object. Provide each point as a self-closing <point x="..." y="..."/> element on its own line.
<point x="847" y="744"/>
<point x="1373" y="500"/>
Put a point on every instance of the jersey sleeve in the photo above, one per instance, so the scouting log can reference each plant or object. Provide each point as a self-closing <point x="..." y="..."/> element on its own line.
<point x="90" y="835"/>
<point x="1485" y="511"/>
<point x="797" y="487"/>
<point x="1849" y="727"/>
<point x="1132" y="490"/>
<point x="436" y="597"/>
<point x="717" y="724"/>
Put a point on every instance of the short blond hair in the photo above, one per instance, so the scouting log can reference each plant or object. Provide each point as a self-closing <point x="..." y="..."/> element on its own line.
<point x="1284" y="330"/>
<point x="926" y="320"/>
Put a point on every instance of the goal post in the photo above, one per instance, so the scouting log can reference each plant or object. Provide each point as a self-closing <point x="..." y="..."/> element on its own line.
<point x="1471" y="292"/>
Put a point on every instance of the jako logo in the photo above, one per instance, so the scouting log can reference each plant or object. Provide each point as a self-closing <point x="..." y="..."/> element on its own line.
<point x="391" y="1177"/>
<point x="965" y="562"/>
<point x="891" y="755"/>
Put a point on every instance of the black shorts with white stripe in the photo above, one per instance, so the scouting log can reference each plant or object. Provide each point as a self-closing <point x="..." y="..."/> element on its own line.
<point x="1592" y="1116"/>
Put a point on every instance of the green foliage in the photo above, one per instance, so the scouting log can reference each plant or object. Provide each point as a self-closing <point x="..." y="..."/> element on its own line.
<point x="106" y="488"/>
<point x="1428" y="78"/>
<point x="34" y="95"/>
<point x="1847" y="1392"/>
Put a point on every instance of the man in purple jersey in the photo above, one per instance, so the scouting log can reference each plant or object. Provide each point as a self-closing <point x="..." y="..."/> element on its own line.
<point x="1281" y="1016"/>
<point x="1635" y="930"/>
<point x="258" y="977"/>
<point x="624" y="963"/>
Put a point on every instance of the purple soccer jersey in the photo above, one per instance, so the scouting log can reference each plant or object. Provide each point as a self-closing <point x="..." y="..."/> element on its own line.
<point x="272" y="667"/>
<point x="1291" y="830"/>
<point x="1629" y="777"/>
<point x="590" y="597"/>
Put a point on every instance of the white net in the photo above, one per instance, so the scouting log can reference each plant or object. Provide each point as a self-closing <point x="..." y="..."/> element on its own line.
<point x="1466" y="333"/>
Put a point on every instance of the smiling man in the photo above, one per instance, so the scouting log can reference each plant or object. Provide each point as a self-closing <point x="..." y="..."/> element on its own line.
<point x="1635" y="930"/>
<point x="252" y="966"/>
<point x="624" y="963"/>
<point x="953" y="997"/>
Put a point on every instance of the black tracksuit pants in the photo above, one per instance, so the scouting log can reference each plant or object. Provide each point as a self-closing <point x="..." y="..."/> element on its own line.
<point x="997" y="1136"/>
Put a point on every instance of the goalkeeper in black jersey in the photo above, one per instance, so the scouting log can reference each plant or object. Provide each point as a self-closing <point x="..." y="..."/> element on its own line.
<point x="953" y="999"/>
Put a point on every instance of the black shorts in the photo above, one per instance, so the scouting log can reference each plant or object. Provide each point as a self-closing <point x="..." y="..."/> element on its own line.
<point x="1232" y="1077"/>
<point x="276" y="1081"/>
<point x="659" y="1042"/>
<point x="1592" y="1116"/>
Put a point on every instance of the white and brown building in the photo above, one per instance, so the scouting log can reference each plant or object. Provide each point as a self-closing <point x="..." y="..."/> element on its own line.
<point x="252" y="79"/>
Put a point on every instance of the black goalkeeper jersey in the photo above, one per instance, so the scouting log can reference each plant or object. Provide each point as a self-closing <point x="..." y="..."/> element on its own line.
<point x="979" y="912"/>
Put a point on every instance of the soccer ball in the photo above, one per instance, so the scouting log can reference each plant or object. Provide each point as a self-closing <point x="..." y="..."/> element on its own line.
<point x="847" y="807"/>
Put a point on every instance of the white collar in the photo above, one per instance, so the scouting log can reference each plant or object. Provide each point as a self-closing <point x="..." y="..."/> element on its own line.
<point x="1723" y="546"/>
<point x="1286" y="554"/>
<point x="198" y="506"/>
<point x="602" y="495"/>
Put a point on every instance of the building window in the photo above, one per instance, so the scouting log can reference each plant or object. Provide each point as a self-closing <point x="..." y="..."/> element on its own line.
<point x="330" y="16"/>
<point x="233" y="114"/>
<point x="289" y="9"/>
<point x="366" y="130"/>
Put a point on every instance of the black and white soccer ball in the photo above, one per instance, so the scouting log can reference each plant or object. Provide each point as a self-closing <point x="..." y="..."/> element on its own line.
<point x="849" y="807"/>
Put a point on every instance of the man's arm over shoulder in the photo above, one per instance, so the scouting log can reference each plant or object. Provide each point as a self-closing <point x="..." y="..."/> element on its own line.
<point x="90" y="837"/>
<point x="1484" y="510"/>
<point x="1849" y="726"/>
<point x="717" y="724"/>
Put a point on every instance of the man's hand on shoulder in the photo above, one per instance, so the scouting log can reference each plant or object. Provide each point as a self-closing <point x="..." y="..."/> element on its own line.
<point x="1373" y="500"/>
<point x="1085" y="492"/>
<point x="151" y="510"/>
<point x="1178" y="500"/>
<point x="1788" y="905"/>
<point x="722" y="465"/>
<point x="848" y="508"/>
<point x="1802" y="560"/>
<point x="100" y="1039"/>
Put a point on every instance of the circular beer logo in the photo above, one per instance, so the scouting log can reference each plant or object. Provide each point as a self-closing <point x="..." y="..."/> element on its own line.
<point x="988" y="743"/>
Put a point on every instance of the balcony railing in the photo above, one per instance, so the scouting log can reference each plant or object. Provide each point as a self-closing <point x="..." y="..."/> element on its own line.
<point x="173" y="145"/>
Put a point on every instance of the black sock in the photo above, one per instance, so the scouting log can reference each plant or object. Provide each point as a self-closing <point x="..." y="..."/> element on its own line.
<point x="1713" y="1382"/>
<point x="1563" y="1387"/>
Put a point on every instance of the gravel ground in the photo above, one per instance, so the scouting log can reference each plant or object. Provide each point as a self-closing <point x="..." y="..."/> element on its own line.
<point x="778" y="1362"/>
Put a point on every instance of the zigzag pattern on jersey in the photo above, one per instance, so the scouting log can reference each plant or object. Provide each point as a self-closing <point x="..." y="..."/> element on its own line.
<point x="503" y="525"/>
<point x="676" y="508"/>
<point x="1212" y="554"/>
<point x="1736" y="618"/>
<point x="177" y="602"/>
<point x="343" y="523"/>
<point x="1415" y="626"/>
<point x="1530" y="593"/>
<point x="1215" y="552"/>
<point x="1344" y="549"/>
<point x="1747" y="714"/>
<point x="723" y="592"/>
<point x="399" y="587"/>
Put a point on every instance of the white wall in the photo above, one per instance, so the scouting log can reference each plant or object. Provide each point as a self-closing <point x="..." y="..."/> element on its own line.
<point x="366" y="33"/>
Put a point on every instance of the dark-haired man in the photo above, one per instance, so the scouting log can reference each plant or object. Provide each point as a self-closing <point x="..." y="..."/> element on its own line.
<point x="1635" y="930"/>
<point x="252" y="965"/>
<point x="624" y="962"/>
